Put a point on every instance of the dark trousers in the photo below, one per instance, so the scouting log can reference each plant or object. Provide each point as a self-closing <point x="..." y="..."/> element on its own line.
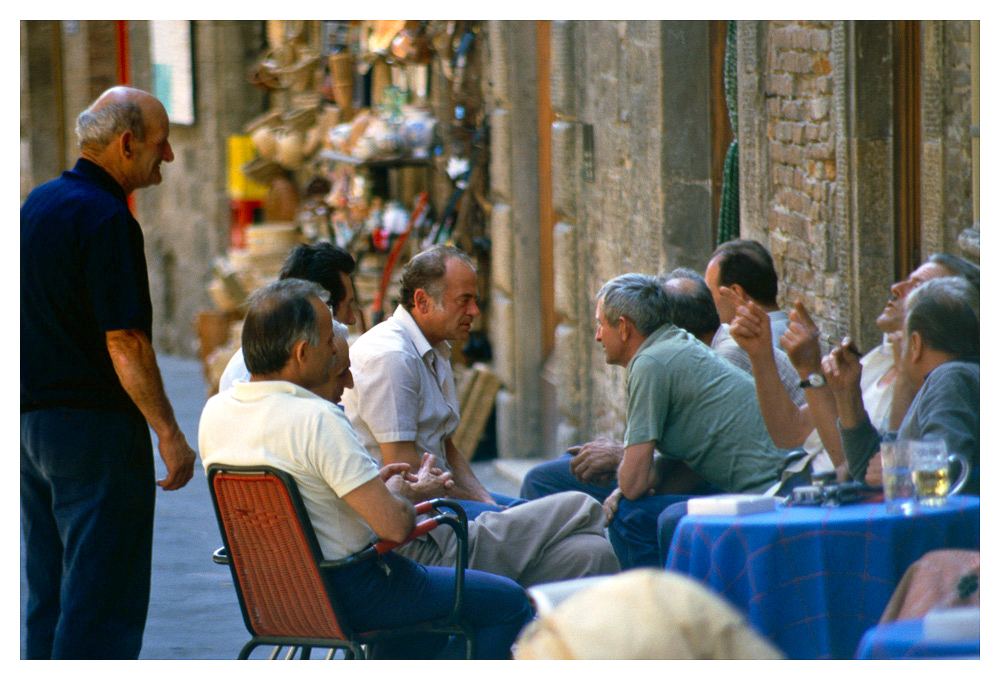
<point x="554" y="476"/>
<point x="496" y="606"/>
<point x="633" y="529"/>
<point x="87" y="494"/>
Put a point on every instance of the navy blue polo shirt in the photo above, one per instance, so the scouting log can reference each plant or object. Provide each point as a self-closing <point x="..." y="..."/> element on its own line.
<point x="83" y="272"/>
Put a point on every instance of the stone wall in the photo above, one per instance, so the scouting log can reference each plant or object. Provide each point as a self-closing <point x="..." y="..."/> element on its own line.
<point x="636" y="199"/>
<point x="956" y="131"/>
<point x="186" y="218"/>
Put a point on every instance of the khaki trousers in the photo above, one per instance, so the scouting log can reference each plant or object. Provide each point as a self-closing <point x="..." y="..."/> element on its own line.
<point x="552" y="538"/>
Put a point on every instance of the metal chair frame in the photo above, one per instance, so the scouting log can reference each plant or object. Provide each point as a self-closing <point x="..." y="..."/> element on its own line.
<point x="356" y="644"/>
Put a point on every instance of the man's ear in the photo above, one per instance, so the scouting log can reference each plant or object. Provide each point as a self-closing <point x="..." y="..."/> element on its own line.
<point x="298" y="354"/>
<point x="624" y="328"/>
<point x="917" y="347"/>
<point x="126" y="143"/>
<point x="739" y="290"/>
<point x="421" y="300"/>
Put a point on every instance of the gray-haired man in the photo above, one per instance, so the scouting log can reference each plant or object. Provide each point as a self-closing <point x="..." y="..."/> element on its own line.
<point x="89" y="387"/>
<point x="684" y="402"/>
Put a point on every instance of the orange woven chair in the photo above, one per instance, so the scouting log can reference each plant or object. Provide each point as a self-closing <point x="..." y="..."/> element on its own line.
<point x="282" y="579"/>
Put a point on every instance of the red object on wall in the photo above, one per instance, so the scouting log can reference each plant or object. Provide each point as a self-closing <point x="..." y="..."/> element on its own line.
<point x="124" y="75"/>
<point x="241" y="214"/>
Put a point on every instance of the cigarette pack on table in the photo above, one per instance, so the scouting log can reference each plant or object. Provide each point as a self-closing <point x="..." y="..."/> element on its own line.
<point x="730" y="504"/>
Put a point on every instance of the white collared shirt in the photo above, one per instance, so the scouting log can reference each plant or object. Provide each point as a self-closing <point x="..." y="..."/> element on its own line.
<point x="282" y="425"/>
<point x="877" y="399"/>
<point x="404" y="389"/>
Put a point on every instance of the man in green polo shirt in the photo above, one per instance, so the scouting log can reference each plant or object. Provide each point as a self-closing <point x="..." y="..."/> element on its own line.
<point x="684" y="403"/>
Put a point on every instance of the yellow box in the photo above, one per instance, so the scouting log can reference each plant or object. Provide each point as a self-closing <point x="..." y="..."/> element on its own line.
<point x="241" y="187"/>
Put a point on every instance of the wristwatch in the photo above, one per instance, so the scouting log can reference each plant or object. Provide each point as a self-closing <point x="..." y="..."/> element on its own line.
<point x="813" y="380"/>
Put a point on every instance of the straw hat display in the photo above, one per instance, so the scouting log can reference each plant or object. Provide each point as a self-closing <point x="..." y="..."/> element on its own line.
<point x="383" y="31"/>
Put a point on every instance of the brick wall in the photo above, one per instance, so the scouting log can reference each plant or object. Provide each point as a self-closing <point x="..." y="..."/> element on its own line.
<point x="802" y="155"/>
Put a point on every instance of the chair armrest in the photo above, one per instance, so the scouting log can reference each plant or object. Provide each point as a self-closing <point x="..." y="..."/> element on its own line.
<point x="220" y="556"/>
<point x="459" y="523"/>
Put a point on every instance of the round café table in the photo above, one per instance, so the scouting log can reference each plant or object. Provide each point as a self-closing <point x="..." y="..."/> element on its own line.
<point x="814" y="579"/>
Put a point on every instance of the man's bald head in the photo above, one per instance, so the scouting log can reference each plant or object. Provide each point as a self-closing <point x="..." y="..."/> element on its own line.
<point x="691" y="303"/>
<point x="116" y="111"/>
<point x="125" y="132"/>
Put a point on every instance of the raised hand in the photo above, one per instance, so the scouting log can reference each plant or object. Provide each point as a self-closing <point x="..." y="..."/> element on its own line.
<point x="801" y="341"/>
<point x="750" y="327"/>
<point x="842" y="367"/>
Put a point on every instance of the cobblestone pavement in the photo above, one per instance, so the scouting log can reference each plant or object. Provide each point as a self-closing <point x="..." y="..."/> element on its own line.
<point x="193" y="610"/>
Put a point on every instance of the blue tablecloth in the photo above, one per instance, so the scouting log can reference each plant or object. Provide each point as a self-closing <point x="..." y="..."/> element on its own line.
<point x="905" y="640"/>
<point x="813" y="580"/>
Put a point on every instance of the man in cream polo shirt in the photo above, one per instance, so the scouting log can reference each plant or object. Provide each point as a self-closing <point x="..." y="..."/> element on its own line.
<point x="284" y="417"/>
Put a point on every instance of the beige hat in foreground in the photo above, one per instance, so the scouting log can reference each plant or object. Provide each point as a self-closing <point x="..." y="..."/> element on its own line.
<point x="643" y="614"/>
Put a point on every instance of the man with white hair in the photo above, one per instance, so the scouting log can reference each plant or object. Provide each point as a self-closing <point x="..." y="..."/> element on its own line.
<point x="685" y="404"/>
<point x="89" y="386"/>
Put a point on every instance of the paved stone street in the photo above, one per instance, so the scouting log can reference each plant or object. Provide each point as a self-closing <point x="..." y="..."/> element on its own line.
<point x="193" y="610"/>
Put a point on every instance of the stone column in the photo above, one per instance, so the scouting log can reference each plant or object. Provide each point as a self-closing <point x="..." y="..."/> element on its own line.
<point x="515" y="324"/>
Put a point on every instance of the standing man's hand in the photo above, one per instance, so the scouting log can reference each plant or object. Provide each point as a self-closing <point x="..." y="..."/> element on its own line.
<point x="179" y="459"/>
<point x="597" y="461"/>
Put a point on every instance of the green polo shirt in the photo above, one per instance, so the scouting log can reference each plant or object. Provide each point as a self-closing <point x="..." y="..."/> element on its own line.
<point x="700" y="409"/>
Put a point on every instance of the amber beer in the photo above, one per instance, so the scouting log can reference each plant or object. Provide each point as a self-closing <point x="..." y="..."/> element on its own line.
<point x="931" y="484"/>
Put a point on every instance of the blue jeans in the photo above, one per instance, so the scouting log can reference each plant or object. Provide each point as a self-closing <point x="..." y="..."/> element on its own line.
<point x="87" y="495"/>
<point x="474" y="508"/>
<point x="496" y="607"/>
<point x="633" y="530"/>
<point x="666" y="524"/>
<point x="554" y="476"/>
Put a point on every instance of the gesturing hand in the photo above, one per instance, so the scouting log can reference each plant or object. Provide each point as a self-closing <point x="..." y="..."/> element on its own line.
<point x="430" y="482"/>
<point x="801" y="340"/>
<point x="750" y="327"/>
<point x="842" y="367"/>
<point x="392" y="469"/>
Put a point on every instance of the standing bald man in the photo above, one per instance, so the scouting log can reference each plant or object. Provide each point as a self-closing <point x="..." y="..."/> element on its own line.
<point x="89" y="386"/>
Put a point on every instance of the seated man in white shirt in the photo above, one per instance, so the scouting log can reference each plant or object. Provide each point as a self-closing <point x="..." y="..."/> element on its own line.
<point x="403" y="406"/>
<point x="283" y="417"/>
<point x="324" y="263"/>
